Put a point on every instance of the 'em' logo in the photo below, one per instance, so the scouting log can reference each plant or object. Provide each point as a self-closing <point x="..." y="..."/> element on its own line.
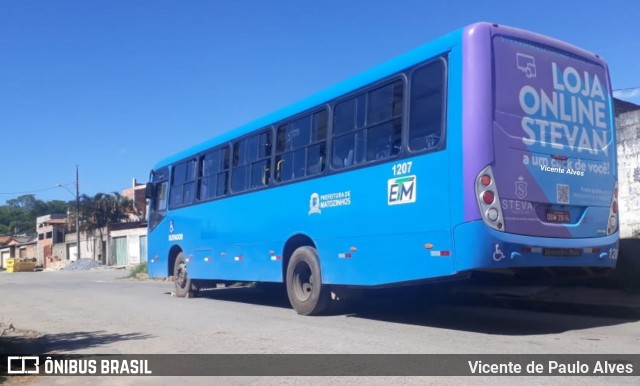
<point x="23" y="365"/>
<point x="401" y="190"/>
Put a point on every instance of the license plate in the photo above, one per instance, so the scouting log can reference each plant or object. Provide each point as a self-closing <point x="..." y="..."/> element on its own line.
<point x="562" y="251"/>
<point x="559" y="216"/>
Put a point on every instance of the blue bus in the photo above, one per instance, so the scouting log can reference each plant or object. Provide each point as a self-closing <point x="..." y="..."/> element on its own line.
<point x="490" y="148"/>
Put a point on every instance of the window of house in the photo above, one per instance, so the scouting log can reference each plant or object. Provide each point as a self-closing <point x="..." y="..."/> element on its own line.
<point x="214" y="174"/>
<point x="251" y="165"/>
<point x="183" y="183"/>
<point x="301" y="147"/>
<point x="368" y="127"/>
<point x="59" y="236"/>
<point x="427" y="108"/>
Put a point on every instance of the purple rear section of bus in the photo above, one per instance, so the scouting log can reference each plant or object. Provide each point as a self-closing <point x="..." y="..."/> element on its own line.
<point x="548" y="132"/>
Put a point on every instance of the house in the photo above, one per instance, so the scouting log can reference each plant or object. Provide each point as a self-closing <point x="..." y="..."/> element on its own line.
<point x="136" y="193"/>
<point x="93" y="245"/>
<point x="128" y="240"/>
<point x="123" y="243"/>
<point x="127" y="243"/>
<point x="50" y="244"/>
<point x="17" y="247"/>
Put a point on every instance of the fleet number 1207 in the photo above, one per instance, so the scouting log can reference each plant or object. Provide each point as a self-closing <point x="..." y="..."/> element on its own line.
<point x="402" y="168"/>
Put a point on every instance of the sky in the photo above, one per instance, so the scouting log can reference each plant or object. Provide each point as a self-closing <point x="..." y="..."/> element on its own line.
<point x="114" y="86"/>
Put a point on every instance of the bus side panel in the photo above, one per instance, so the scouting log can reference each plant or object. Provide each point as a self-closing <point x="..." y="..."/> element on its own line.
<point x="248" y="262"/>
<point x="372" y="225"/>
<point x="383" y="216"/>
<point x="377" y="260"/>
<point x="158" y="247"/>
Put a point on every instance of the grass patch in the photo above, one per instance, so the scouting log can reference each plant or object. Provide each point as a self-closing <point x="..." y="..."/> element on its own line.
<point x="139" y="271"/>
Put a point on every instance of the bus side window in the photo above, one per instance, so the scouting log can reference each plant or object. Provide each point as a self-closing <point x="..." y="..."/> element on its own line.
<point x="183" y="183"/>
<point x="426" y="120"/>
<point x="239" y="168"/>
<point x="214" y="173"/>
<point x="160" y="196"/>
<point x="298" y="147"/>
<point x="315" y="158"/>
<point x="251" y="162"/>
<point x="342" y="146"/>
<point x="368" y="127"/>
<point x="158" y="204"/>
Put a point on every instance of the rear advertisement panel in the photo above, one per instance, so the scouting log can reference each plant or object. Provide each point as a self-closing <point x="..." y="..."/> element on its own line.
<point x="553" y="139"/>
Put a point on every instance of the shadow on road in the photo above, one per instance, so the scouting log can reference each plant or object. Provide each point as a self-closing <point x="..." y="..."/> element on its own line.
<point x="482" y="315"/>
<point x="272" y="296"/>
<point x="483" y="319"/>
<point x="25" y="342"/>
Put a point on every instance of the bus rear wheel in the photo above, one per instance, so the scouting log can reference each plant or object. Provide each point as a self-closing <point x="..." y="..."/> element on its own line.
<point x="181" y="280"/>
<point x="306" y="293"/>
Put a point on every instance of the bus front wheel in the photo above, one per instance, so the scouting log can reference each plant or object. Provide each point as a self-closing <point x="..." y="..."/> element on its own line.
<point x="306" y="293"/>
<point x="181" y="280"/>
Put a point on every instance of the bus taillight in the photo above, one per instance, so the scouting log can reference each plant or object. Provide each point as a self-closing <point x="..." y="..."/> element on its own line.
<point x="488" y="197"/>
<point x="488" y="200"/>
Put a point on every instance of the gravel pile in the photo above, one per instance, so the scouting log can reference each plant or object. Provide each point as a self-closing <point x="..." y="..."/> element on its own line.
<point x="82" y="265"/>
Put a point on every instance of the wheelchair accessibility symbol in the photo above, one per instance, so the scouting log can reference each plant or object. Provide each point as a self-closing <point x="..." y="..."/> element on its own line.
<point x="498" y="254"/>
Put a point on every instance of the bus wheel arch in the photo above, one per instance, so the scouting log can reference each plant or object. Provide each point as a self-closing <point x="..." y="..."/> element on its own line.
<point x="173" y="255"/>
<point x="294" y="242"/>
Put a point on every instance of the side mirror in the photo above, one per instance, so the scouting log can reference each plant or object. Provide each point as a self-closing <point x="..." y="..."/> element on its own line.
<point x="150" y="190"/>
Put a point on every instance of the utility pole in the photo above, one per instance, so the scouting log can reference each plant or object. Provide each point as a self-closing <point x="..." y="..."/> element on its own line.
<point x="78" y="211"/>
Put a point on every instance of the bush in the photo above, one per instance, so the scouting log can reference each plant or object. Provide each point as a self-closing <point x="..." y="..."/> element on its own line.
<point x="139" y="271"/>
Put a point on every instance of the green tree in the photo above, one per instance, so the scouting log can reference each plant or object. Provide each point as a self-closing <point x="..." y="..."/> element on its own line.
<point x="19" y="214"/>
<point x="101" y="210"/>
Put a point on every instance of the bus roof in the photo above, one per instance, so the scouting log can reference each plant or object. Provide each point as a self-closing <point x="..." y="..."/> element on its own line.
<point x="397" y="64"/>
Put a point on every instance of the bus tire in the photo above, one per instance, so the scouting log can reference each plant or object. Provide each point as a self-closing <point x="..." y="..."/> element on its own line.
<point x="306" y="293"/>
<point x="181" y="280"/>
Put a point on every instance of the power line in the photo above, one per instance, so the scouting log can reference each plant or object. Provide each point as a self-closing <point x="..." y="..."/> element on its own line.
<point x="36" y="190"/>
<point x="627" y="89"/>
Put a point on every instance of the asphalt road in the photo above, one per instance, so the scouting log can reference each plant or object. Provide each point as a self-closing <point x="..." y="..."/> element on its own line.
<point x="103" y="312"/>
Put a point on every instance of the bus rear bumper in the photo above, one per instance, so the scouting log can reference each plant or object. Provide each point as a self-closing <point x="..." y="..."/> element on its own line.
<point x="480" y="247"/>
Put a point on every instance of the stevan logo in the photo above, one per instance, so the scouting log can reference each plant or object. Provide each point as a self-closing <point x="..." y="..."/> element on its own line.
<point x="174" y="236"/>
<point x="402" y="190"/>
<point x="521" y="188"/>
